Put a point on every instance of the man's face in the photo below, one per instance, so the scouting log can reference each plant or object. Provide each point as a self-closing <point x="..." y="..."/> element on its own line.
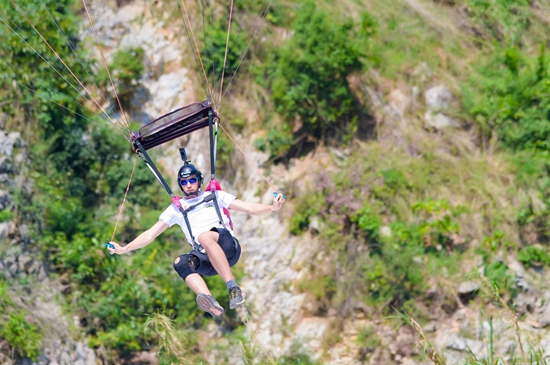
<point x="190" y="184"/>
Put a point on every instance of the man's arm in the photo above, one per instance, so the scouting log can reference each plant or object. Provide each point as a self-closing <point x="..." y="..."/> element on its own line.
<point x="257" y="209"/>
<point x="140" y="241"/>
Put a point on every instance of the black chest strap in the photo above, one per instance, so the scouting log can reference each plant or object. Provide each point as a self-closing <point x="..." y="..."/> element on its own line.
<point x="209" y="198"/>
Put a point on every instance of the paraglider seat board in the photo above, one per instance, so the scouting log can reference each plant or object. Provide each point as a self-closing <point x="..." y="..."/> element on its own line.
<point x="175" y="124"/>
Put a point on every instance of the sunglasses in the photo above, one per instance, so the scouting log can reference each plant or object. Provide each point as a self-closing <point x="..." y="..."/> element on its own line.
<point x="190" y="181"/>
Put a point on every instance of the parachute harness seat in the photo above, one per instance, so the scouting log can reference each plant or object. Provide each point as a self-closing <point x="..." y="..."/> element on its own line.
<point x="170" y="126"/>
<point x="175" y="124"/>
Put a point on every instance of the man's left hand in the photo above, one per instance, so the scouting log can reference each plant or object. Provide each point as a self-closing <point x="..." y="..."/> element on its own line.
<point x="278" y="202"/>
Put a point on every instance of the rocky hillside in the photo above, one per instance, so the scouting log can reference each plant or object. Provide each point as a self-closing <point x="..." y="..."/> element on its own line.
<point x="429" y="212"/>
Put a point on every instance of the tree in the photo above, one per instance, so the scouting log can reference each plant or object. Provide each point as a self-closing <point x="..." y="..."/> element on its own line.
<point x="310" y="79"/>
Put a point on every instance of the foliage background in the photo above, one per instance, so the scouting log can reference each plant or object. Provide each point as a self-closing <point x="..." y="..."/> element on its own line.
<point x="401" y="210"/>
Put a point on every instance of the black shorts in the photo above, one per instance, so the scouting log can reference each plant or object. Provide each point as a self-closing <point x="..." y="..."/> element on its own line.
<point x="230" y="246"/>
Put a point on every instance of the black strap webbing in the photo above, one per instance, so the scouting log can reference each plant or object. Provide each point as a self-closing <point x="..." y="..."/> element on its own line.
<point x="141" y="150"/>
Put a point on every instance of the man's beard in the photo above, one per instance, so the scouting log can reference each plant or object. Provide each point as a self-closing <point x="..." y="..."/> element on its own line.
<point x="193" y="194"/>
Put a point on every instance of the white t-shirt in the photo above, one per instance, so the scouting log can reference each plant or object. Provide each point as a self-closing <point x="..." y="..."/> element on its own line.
<point x="202" y="218"/>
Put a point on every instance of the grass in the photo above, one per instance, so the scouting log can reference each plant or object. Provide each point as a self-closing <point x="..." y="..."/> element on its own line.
<point x="170" y="342"/>
<point x="484" y="195"/>
<point x="530" y="351"/>
<point x="419" y="44"/>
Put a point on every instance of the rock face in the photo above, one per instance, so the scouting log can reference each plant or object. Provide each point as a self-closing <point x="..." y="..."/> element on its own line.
<point x="274" y="260"/>
<point x="166" y="85"/>
<point x="438" y="99"/>
<point x="271" y="255"/>
<point x="8" y="141"/>
<point x="18" y="262"/>
<point x="280" y="316"/>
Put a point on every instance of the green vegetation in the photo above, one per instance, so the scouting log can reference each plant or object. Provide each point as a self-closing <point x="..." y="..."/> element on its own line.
<point x="412" y="209"/>
<point x="214" y="48"/>
<point x="5" y="215"/>
<point x="80" y="168"/>
<point x="532" y="255"/>
<point x="529" y="351"/>
<point x="308" y="78"/>
<point x="515" y="106"/>
<point x="21" y="335"/>
<point x="125" y="70"/>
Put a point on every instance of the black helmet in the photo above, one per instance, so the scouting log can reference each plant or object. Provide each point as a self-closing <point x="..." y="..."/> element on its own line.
<point x="187" y="170"/>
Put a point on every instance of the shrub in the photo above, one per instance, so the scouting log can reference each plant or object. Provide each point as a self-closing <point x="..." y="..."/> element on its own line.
<point x="6" y="215"/>
<point x="505" y="20"/>
<point x="309" y="76"/>
<point x="214" y="50"/>
<point x="532" y="255"/>
<point x="22" y="336"/>
<point x="511" y="100"/>
<point x="125" y="70"/>
<point x="395" y="276"/>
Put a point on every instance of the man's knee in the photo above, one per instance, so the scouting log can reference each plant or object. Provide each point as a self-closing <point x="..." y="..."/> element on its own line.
<point x="208" y="238"/>
<point x="186" y="265"/>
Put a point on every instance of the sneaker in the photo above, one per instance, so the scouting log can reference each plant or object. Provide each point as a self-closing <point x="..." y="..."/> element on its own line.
<point x="236" y="297"/>
<point x="208" y="304"/>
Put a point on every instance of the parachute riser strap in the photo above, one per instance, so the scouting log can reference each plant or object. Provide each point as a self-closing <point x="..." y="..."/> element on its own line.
<point x="212" y="145"/>
<point x="213" y="161"/>
<point x="145" y="157"/>
<point x="215" y="139"/>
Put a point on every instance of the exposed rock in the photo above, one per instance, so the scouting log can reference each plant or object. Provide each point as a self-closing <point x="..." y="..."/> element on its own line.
<point x="439" y="120"/>
<point x="143" y="358"/>
<point x="408" y="361"/>
<point x="438" y="98"/>
<point x="403" y="344"/>
<point x="430" y="327"/>
<point x="399" y="101"/>
<point x="462" y="344"/>
<point x="169" y="91"/>
<point x="526" y="301"/>
<point x="310" y="332"/>
<point x="4" y="165"/>
<point x="385" y="231"/>
<point x="66" y="352"/>
<point x="545" y="345"/>
<point x="544" y="314"/>
<point x="6" y="228"/>
<point x="315" y="223"/>
<point x="467" y="287"/>
<point x="7" y="142"/>
<point x="109" y="26"/>
<point x="516" y="267"/>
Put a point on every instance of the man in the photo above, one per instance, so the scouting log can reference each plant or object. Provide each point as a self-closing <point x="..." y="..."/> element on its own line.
<point x="215" y="249"/>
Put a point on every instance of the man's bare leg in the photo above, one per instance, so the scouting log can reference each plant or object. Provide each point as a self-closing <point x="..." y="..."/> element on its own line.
<point x="197" y="284"/>
<point x="205" y="300"/>
<point x="209" y="241"/>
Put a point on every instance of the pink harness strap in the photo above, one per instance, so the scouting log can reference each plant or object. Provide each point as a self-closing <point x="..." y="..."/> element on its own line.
<point x="215" y="185"/>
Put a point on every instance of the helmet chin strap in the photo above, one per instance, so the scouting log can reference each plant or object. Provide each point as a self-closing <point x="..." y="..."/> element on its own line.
<point x="192" y="195"/>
